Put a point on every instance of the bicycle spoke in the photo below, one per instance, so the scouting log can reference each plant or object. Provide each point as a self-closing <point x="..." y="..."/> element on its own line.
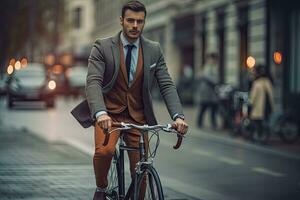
<point x="149" y="186"/>
<point x="112" y="188"/>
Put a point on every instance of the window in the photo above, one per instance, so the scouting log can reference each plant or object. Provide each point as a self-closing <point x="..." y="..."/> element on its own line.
<point x="203" y="39"/>
<point x="220" y="31"/>
<point x="77" y="14"/>
<point x="294" y="74"/>
<point x="242" y="25"/>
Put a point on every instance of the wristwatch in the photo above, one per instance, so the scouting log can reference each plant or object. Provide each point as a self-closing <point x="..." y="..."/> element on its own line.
<point x="179" y="116"/>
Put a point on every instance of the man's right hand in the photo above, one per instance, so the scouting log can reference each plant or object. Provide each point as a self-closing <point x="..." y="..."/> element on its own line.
<point x="104" y="121"/>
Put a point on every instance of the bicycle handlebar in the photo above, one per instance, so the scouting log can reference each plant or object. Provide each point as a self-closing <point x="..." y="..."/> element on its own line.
<point x="125" y="126"/>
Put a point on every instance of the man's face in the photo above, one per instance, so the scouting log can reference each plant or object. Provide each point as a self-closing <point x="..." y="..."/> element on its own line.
<point x="133" y="24"/>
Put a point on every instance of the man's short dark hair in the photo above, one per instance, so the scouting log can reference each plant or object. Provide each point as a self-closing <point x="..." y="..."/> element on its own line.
<point x="260" y="70"/>
<point x="135" y="6"/>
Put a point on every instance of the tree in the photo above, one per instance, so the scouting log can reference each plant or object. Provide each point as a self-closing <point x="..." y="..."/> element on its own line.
<point x="25" y="23"/>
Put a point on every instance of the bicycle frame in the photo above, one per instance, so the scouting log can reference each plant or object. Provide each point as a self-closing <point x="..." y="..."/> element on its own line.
<point x="120" y="163"/>
<point x="143" y="161"/>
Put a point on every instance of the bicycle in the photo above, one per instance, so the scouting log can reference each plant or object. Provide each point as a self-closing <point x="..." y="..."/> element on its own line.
<point x="144" y="168"/>
<point x="284" y="124"/>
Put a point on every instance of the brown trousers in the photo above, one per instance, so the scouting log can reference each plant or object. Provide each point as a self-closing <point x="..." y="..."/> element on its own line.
<point x="103" y="154"/>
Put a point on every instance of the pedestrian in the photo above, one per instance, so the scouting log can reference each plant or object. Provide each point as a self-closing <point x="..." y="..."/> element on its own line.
<point x="121" y="70"/>
<point x="261" y="97"/>
<point x="206" y="95"/>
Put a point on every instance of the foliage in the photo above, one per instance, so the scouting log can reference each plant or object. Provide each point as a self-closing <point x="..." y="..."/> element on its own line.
<point x="25" y="22"/>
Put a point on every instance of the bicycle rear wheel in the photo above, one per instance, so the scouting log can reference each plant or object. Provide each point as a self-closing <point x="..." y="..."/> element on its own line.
<point x="289" y="131"/>
<point x="112" y="192"/>
<point x="148" y="185"/>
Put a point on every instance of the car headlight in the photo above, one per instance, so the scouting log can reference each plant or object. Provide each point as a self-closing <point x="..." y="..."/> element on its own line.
<point x="52" y="85"/>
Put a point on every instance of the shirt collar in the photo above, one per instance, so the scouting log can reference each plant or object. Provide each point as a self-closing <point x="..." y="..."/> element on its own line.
<point x="125" y="41"/>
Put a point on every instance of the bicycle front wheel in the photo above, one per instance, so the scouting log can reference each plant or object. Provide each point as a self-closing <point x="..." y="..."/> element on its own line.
<point x="148" y="185"/>
<point x="113" y="183"/>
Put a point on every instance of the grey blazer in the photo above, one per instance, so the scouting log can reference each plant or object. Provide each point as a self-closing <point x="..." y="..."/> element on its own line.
<point x="103" y="68"/>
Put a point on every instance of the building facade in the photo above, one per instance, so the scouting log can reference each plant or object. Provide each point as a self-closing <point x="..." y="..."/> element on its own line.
<point x="234" y="29"/>
<point x="78" y="27"/>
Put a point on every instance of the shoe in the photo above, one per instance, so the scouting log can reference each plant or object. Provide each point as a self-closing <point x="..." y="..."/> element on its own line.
<point x="99" y="196"/>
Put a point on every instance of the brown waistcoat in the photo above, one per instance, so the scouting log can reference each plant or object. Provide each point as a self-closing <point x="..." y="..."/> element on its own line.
<point x="121" y="96"/>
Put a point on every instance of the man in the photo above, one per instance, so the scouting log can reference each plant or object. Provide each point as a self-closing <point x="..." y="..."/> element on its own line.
<point x="206" y="94"/>
<point x="121" y="70"/>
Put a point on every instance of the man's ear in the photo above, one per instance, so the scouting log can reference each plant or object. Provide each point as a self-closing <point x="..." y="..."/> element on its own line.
<point x="121" y="20"/>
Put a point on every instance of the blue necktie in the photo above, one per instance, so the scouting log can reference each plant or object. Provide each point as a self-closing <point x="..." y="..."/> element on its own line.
<point x="128" y="59"/>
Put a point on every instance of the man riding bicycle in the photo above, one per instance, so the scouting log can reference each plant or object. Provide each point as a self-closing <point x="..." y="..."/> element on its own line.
<point x="121" y="71"/>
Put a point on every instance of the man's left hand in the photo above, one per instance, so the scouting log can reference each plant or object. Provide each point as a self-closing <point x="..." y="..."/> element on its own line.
<point x="181" y="126"/>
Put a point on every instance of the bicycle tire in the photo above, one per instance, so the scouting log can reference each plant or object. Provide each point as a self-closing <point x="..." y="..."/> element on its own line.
<point x="153" y="190"/>
<point x="288" y="131"/>
<point x="112" y="192"/>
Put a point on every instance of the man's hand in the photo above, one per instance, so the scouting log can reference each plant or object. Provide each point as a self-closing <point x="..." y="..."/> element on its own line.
<point x="181" y="126"/>
<point x="104" y="121"/>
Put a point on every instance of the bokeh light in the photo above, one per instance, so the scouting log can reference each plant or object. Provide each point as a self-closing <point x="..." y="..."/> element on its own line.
<point x="52" y="85"/>
<point x="250" y="62"/>
<point x="24" y="62"/>
<point x="12" y="61"/>
<point x="18" y="65"/>
<point x="277" y="56"/>
<point x="50" y="59"/>
<point x="10" y="69"/>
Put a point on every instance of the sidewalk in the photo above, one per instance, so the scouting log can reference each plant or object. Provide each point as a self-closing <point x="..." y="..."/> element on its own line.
<point x="33" y="169"/>
<point x="274" y="144"/>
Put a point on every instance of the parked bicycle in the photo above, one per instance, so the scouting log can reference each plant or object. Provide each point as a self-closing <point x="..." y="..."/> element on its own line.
<point x="146" y="183"/>
<point x="287" y="126"/>
<point x="241" y="109"/>
<point x="225" y="94"/>
<point x="284" y="124"/>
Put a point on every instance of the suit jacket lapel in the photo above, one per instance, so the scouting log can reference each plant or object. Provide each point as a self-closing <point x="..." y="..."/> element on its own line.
<point x="122" y="60"/>
<point x="116" y="54"/>
<point x="146" y="61"/>
<point x="139" y="66"/>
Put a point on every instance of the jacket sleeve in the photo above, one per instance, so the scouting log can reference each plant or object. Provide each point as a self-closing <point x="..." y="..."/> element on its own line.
<point x="253" y="94"/>
<point x="94" y="80"/>
<point x="167" y="86"/>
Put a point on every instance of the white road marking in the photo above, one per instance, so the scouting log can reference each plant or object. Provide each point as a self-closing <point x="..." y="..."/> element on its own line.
<point x="224" y="159"/>
<point x="230" y="161"/>
<point x="267" y="172"/>
<point x="192" y="190"/>
<point x="203" y="153"/>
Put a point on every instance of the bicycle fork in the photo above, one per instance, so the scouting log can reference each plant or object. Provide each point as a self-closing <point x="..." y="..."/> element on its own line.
<point x="121" y="171"/>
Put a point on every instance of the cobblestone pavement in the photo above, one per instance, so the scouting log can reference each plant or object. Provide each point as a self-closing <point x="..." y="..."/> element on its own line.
<point x="32" y="169"/>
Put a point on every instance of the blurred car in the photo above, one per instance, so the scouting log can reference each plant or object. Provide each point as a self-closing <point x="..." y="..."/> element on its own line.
<point x="57" y="73"/>
<point x="77" y="79"/>
<point x="31" y="84"/>
<point x="3" y="83"/>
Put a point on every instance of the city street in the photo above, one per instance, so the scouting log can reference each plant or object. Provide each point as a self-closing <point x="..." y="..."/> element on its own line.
<point x="209" y="166"/>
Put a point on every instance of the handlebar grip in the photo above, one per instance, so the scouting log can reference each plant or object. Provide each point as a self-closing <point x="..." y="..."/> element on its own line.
<point x="106" y="139"/>
<point x="179" y="138"/>
<point x="179" y="141"/>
